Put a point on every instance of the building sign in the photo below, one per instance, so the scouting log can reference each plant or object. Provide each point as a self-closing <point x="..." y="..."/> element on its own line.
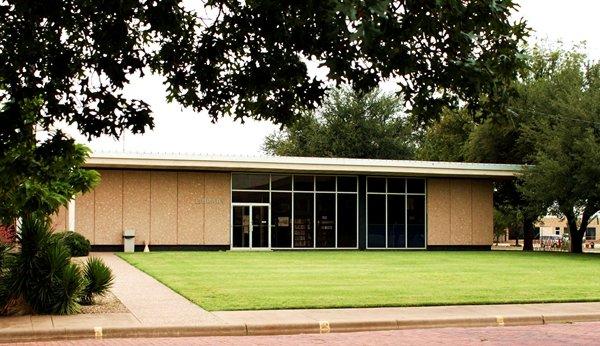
<point x="209" y="200"/>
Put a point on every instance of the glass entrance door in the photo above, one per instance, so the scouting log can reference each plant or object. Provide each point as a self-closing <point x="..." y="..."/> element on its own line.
<point x="260" y="226"/>
<point x="250" y="224"/>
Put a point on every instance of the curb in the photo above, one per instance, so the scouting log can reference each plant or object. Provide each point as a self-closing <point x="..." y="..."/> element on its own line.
<point x="316" y="327"/>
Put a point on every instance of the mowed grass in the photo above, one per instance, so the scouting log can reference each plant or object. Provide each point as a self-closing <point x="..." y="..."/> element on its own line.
<point x="327" y="279"/>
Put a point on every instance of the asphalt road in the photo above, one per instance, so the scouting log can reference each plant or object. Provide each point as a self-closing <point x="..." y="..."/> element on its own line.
<point x="552" y="334"/>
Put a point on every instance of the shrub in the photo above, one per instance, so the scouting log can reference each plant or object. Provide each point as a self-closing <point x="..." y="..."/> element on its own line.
<point x="98" y="280"/>
<point x="76" y="243"/>
<point x="42" y="275"/>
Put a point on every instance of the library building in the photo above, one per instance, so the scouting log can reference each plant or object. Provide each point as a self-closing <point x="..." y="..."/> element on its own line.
<point x="285" y="203"/>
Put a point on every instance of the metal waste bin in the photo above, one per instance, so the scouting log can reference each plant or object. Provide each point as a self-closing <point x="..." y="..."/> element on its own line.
<point x="129" y="240"/>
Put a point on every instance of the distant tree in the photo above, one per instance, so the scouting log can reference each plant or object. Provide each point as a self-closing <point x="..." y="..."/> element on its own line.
<point x="446" y="139"/>
<point x="508" y="219"/>
<point x="566" y="138"/>
<point x="349" y="125"/>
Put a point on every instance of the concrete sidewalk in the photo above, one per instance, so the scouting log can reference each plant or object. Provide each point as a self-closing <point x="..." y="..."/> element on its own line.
<point x="157" y="311"/>
<point x="151" y="302"/>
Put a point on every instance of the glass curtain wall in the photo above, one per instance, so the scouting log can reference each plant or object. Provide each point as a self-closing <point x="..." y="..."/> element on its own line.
<point x="395" y="213"/>
<point x="307" y="211"/>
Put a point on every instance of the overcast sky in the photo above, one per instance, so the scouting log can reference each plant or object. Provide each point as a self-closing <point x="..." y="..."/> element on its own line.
<point x="180" y="130"/>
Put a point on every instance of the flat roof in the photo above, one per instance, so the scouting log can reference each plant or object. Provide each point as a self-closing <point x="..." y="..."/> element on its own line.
<point x="293" y="164"/>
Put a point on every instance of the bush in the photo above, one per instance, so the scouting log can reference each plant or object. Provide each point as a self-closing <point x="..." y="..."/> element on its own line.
<point x="98" y="280"/>
<point x="42" y="275"/>
<point x="77" y="244"/>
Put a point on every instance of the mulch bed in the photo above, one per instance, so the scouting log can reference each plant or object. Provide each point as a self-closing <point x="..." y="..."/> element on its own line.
<point x="109" y="303"/>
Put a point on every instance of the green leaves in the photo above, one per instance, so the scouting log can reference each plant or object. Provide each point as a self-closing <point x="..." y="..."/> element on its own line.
<point x="248" y="59"/>
<point x="349" y="125"/>
<point x="41" y="276"/>
<point x="98" y="279"/>
<point x="40" y="177"/>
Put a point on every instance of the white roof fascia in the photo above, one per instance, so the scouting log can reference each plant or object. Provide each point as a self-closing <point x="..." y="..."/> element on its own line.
<point x="300" y="165"/>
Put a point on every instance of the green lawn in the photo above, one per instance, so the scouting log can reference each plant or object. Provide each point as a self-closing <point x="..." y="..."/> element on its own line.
<point x="316" y="279"/>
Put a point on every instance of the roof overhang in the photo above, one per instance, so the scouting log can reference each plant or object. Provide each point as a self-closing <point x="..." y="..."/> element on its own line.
<point x="301" y="165"/>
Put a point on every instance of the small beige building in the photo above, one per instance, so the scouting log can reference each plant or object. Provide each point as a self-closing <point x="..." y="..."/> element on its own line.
<point x="552" y="226"/>
<point x="214" y="202"/>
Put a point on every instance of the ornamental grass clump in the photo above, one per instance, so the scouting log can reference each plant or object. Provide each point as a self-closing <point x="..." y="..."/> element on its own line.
<point x="98" y="280"/>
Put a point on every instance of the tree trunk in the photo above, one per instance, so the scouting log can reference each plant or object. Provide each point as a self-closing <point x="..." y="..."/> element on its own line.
<point x="576" y="241"/>
<point x="578" y="232"/>
<point x="528" y="229"/>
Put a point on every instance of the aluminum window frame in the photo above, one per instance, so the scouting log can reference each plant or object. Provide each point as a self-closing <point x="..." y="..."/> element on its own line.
<point x="292" y="191"/>
<point x="386" y="194"/>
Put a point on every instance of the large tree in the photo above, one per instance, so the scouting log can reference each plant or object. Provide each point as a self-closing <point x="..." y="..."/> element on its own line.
<point x="249" y="58"/>
<point x="350" y="125"/>
<point x="565" y="96"/>
<point x="68" y="61"/>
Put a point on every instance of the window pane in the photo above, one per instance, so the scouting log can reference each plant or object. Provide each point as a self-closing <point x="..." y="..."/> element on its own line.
<point x="396" y="185"/>
<point x="415" y="213"/>
<point x="376" y="185"/>
<point x="396" y="236"/>
<point x="247" y="197"/>
<point x="243" y="181"/>
<point x="303" y="219"/>
<point x="346" y="184"/>
<point x="376" y="220"/>
<point x="325" y="183"/>
<point x="590" y="233"/>
<point x="346" y="206"/>
<point x="281" y="182"/>
<point x="281" y="219"/>
<point x="325" y="230"/>
<point x="415" y="185"/>
<point x="304" y="183"/>
<point x="241" y="226"/>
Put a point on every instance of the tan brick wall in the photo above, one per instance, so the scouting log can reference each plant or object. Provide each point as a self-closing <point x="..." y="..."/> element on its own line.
<point x="163" y="207"/>
<point x="459" y="211"/>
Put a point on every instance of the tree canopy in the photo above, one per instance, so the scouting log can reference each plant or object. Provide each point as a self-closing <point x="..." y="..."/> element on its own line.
<point x="349" y="125"/>
<point x="565" y="96"/>
<point x="248" y="58"/>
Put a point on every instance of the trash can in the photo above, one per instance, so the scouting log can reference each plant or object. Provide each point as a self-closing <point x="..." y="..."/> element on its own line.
<point x="129" y="240"/>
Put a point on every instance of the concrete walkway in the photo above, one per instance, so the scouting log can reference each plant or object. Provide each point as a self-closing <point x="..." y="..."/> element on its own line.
<point x="157" y="311"/>
<point x="151" y="302"/>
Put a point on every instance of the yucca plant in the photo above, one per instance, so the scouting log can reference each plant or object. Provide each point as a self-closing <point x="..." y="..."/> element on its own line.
<point x="42" y="274"/>
<point x="68" y="291"/>
<point x="98" y="280"/>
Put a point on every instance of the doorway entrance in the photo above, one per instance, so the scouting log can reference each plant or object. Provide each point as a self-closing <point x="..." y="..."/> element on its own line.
<point x="250" y="224"/>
